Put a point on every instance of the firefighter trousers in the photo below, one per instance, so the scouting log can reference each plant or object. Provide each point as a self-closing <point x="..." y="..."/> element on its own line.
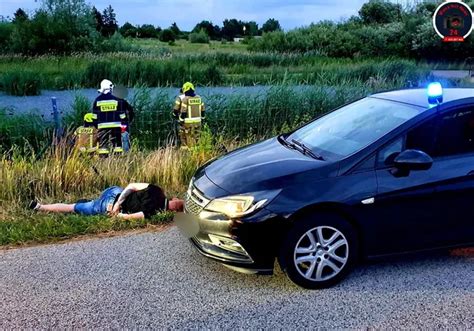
<point x="189" y="133"/>
<point x="110" y="140"/>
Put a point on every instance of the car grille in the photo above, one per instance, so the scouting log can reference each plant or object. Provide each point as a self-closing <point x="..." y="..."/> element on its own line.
<point x="191" y="206"/>
<point x="195" y="201"/>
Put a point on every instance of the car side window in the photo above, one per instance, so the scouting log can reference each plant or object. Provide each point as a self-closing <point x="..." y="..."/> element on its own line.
<point x="456" y="133"/>
<point x="419" y="138"/>
<point x="388" y="153"/>
<point x="422" y="137"/>
<point x="367" y="165"/>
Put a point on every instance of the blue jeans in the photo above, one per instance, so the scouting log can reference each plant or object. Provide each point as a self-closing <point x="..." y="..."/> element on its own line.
<point x="99" y="205"/>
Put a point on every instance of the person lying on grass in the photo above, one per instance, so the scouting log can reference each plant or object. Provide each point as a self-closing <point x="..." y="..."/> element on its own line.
<point x="136" y="201"/>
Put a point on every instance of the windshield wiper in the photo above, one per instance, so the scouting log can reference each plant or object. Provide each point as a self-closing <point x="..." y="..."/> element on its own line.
<point x="306" y="150"/>
<point x="287" y="143"/>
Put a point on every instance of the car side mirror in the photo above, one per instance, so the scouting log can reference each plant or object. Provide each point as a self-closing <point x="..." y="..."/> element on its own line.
<point x="410" y="160"/>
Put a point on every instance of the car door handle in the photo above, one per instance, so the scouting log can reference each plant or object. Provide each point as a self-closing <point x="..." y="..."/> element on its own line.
<point x="368" y="201"/>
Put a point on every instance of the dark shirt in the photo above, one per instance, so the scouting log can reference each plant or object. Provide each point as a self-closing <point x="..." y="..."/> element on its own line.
<point x="129" y="111"/>
<point x="150" y="201"/>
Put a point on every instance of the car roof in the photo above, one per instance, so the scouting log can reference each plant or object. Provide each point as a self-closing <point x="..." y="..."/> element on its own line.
<point x="419" y="97"/>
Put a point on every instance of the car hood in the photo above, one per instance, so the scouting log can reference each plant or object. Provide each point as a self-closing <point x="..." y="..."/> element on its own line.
<point x="262" y="166"/>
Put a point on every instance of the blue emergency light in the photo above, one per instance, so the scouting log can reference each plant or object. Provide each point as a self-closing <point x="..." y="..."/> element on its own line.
<point x="435" y="93"/>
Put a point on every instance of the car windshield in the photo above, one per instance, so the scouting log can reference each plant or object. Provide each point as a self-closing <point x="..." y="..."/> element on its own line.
<point x="353" y="127"/>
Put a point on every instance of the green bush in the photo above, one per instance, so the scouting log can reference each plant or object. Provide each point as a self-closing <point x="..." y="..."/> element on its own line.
<point x="167" y="35"/>
<point x="200" y="37"/>
<point x="116" y="43"/>
<point x="379" y="11"/>
<point x="61" y="29"/>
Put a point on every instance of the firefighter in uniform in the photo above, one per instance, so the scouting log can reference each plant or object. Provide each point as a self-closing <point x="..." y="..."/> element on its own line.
<point x="86" y="135"/>
<point x="188" y="110"/>
<point x="110" y="114"/>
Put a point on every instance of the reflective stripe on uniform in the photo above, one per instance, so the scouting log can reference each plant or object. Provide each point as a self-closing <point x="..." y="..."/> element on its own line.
<point x="103" y="151"/>
<point x="87" y="150"/>
<point x="193" y="107"/>
<point x="109" y="125"/>
<point x="91" y="142"/>
<point x="94" y="116"/>
<point x="192" y="120"/>
<point x="107" y="105"/>
<point x="123" y="116"/>
<point x="118" y="150"/>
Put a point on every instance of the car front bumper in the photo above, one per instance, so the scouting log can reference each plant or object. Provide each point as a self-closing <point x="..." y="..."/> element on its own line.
<point x="247" y="245"/>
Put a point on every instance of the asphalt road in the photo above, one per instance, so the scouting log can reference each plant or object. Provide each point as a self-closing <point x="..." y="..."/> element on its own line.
<point x="156" y="280"/>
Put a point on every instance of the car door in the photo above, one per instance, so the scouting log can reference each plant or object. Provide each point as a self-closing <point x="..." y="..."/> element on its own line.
<point x="404" y="211"/>
<point x="454" y="158"/>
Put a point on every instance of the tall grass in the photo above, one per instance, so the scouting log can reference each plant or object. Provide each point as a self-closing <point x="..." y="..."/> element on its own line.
<point x="236" y="116"/>
<point x="278" y="109"/>
<point x="21" y="83"/>
<point x="26" y="131"/>
<point x="213" y="68"/>
<point x="62" y="174"/>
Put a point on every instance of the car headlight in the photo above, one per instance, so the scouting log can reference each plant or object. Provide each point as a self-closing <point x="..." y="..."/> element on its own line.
<point x="241" y="205"/>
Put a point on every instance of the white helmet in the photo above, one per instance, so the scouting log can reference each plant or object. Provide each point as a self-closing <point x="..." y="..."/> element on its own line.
<point x="106" y="86"/>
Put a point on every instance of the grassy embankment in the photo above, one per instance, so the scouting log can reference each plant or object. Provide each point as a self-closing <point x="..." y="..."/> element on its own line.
<point x="64" y="176"/>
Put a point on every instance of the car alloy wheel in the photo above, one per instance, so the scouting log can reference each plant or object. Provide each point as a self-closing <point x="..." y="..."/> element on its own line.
<point x="318" y="250"/>
<point x="321" y="253"/>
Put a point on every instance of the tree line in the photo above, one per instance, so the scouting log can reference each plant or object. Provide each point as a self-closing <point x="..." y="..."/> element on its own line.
<point x="381" y="29"/>
<point x="67" y="26"/>
<point x="231" y="28"/>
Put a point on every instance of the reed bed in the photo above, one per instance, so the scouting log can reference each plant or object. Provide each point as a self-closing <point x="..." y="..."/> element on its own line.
<point x="237" y="117"/>
<point x="27" y="76"/>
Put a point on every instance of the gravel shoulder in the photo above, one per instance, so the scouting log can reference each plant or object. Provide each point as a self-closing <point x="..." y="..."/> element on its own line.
<point x="157" y="280"/>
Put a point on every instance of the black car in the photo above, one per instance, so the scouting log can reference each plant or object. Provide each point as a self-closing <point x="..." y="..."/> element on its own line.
<point x="387" y="174"/>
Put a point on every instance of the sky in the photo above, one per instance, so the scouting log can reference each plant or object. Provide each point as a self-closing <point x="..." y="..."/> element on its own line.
<point x="186" y="13"/>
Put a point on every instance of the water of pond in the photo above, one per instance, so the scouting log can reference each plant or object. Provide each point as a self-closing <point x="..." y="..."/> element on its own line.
<point x="41" y="104"/>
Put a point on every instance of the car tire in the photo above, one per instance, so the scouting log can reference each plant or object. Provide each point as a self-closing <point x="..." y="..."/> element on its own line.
<point x="313" y="262"/>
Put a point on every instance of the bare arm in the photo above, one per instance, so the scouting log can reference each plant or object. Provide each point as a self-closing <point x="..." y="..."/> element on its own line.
<point x="134" y="216"/>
